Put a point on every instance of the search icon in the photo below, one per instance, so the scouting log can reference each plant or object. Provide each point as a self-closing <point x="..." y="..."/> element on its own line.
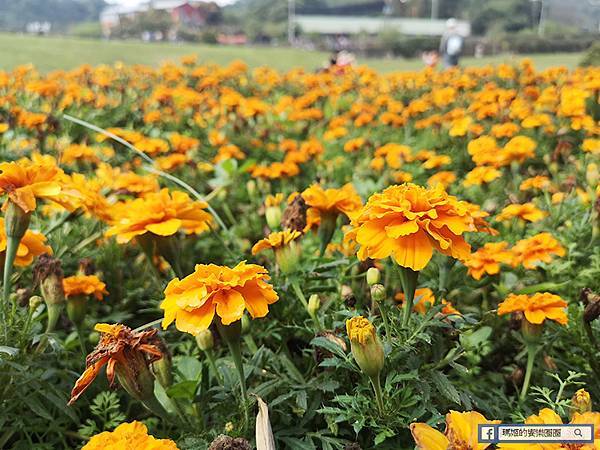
<point x="577" y="432"/>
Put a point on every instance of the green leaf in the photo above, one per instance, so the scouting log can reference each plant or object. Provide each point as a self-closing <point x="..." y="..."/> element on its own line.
<point x="188" y="367"/>
<point x="184" y="389"/>
<point x="329" y="346"/>
<point x="445" y="387"/>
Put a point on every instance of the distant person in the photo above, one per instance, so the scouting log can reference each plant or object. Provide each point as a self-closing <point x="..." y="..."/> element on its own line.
<point x="430" y="59"/>
<point x="451" y="45"/>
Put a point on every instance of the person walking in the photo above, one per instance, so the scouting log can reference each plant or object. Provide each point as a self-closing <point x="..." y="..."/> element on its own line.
<point x="451" y="44"/>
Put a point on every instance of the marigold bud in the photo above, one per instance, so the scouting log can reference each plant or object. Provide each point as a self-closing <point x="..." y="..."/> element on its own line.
<point x="49" y="275"/>
<point x="16" y="221"/>
<point x="162" y="368"/>
<point x="205" y="340"/>
<point x="34" y="302"/>
<point x="251" y="188"/>
<point x="77" y="309"/>
<point x="273" y="216"/>
<point x="373" y="276"/>
<point x="378" y="292"/>
<point x="365" y="345"/>
<point x="288" y="256"/>
<point x="314" y="303"/>
<point x="592" y="175"/>
<point x="581" y="402"/>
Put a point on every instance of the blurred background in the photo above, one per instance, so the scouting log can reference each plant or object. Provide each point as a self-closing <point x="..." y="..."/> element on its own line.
<point x="386" y="34"/>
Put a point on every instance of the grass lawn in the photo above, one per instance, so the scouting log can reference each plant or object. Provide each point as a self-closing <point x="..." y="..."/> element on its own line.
<point x="50" y="53"/>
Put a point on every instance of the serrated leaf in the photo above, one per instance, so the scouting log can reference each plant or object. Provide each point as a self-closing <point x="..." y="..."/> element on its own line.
<point x="445" y="387"/>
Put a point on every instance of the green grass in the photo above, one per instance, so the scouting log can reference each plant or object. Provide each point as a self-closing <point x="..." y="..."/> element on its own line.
<point x="51" y="53"/>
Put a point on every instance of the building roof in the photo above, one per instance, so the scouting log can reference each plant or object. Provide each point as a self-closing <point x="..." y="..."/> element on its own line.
<point x="372" y="25"/>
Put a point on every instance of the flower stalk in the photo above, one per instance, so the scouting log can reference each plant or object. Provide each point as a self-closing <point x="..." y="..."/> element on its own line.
<point x="231" y="334"/>
<point x="408" y="280"/>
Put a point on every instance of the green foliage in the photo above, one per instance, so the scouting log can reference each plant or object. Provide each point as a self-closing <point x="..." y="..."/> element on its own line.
<point x="106" y="414"/>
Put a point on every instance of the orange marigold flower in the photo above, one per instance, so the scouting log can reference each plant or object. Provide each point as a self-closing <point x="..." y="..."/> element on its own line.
<point x="424" y="299"/>
<point x="538" y="182"/>
<point x="536" y="308"/>
<point x="162" y="213"/>
<point x="25" y="181"/>
<point x="539" y="248"/>
<point x="126" y="353"/>
<point x="330" y="202"/>
<point x="443" y="177"/>
<point x="128" y="436"/>
<point x="408" y="222"/>
<point x="526" y="211"/>
<point x="488" y="258"/>
<point x="193" y="301"/>
<point x="84" y="285"/>
<point x="461" y="432"/>
<point x="32" y="245"/>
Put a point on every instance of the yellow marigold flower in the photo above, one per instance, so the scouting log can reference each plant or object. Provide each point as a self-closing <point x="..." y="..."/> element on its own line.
<point x="79" y="152"/>
<point x="402" y="177"/>
<point x="193" y="301"/>
<point x="536" y="308"/>
<point x="128" y="436"/>
<point x="505" y="130"/>
<point x="127" y="354"/>
<point x="539" y="248"/>
<point x="480" y="175"/>
<point x="519" y="149"/>
<point x="488" y="258"/>
<point x="538" y="182"/>
<point x="162" y="213"/>
<point x="436" y="161"/>
<point x="408" y="222"/>
<point x="444" y="177"/>
<point x="84" y="285"/>
<point x="25" y="181"/>
<point x="394" y="154"/>
<point x="484" y="151"/>
<point x="591" y="146"/>
<point x="424" y="299"/>
<point x="526" y="211"/>
<point x="273" y="200"/>
<point x="32" y="245"/>
<point x="276" y="240"/>
<point x="171" y="162"/>
<point x="460" y="126"/>
<point x="461" y="432"/>
<point x="355" y="144"/>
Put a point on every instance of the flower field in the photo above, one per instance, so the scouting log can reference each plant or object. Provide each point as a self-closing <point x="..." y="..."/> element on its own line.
<point x="216" y="257"/>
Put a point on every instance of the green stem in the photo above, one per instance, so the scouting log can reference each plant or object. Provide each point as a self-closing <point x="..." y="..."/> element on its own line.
<point x="302" y="298"/>
<point x="81" y="341"/>
<point x="378" y="395"/>
<point x="249" y="341"/>
<point x="12" y="245"/>
<point x="408" y="280"/>
<point x="213" y="365"/>
<point x="386" y="324"/>
<point x="531" y="352"/>
<point x="231" y="334"/>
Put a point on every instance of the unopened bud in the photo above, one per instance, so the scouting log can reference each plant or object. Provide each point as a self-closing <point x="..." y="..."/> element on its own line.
<point x="34" y="302"/>
<point x="162" y="368"/>
<point x="378" y="292"/>
<point x="592" y="175"/>
<point x="16" y="221"/>
<point x="77" y="309"/>
<point x="251" y="188"/>
<point x="314" y="304"/>
<point x="581" y="402"/>
<point x="273" y="216"/>
<point x="373" y="276"/>
<point x="205" y="340"/>
<point x="48" y="273"/>
<point x="365" y="345"/>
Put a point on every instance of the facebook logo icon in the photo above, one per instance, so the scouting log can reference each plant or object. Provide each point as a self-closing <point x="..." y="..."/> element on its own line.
<point x="487" y="434"/>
